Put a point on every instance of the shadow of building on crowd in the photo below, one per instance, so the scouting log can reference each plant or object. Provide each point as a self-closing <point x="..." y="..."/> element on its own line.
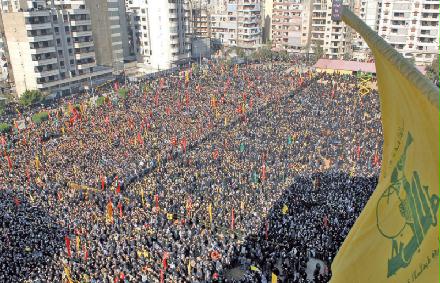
<point x="309" y="221"/>
<point x="30" y="239"/>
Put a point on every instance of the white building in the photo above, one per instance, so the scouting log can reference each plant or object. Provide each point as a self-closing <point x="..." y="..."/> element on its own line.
<point x="160" y="32"/>
<point x="412" y="28"/>
<point x="51" y="48"/>
<point x="334" y="37"/>
<point x="238" y="23"/>
<point x="369" y="11"/>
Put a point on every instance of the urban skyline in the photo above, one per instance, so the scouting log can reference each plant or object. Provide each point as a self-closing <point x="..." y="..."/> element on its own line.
<point x="60" y="46"/>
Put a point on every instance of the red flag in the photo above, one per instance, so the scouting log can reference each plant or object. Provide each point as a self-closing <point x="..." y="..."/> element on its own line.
<point x="67" y="240"/>
<point x="118" y="188"/>
<point x="183" y="143"/>
<point x="376" y="159"/>
<point x="164" y="263"/>
<point x="120" y="209"/>
<point x="9" y="162"/>
<point x="215" y="154"/>
<point x="232" y="219"/>
<point x="140" y="140"/>
<point x="174" y="141"/>
<point x="16" y="201"/>
<point x="325" y="221"/>
<point x="263" y="172"/>
<point x="102" y="183"/>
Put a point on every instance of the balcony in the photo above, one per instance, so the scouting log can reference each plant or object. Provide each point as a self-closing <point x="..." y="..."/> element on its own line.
<point x="42" y="50"/>
<point x="43" y="62"/>
<point x="39" y="38"/>
<point x="83" y="66"/>
<point x="83" y="44"/>
<point x="40" y="13"/>
<point x="80" y="23"/>
<point x="85" y="55"/>
<point x="79" y="12"/>
<point x="47" y="73"/>
<point x="38" y="26"/>
<point x="81" y="33"/>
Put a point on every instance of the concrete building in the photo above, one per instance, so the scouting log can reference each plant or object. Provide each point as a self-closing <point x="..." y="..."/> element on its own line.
<point x="266" y="20"/>
<point x="412" y="28"/>
<point x="238" y="24"/>
<point x="369" y="11"/>
<point x="159" y="32"/>
<point x="290" y="25"/>
<point x="51" y="48"/>
<point x="109" y="26"/>
<point x="334" y="37"/>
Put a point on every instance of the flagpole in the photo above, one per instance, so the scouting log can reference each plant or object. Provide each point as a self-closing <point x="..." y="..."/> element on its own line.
<point x="374" y="41"/>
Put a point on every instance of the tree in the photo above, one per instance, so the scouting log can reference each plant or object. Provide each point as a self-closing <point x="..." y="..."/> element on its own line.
<point x="30" y="97"/>
<point x="347" y="56"/>
<point x="318" y="51"/>
<point x="432" y="71"/>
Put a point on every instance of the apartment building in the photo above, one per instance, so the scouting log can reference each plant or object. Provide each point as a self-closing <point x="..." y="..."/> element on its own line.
<point x="266" y="20"/>
<point x="369" y="11"/>
<point x="412" y="28"/>
<point x="159" y="32"/>
<point x="238" y="24"/>
<point x="51" y="48"/>
<point x="290" y="25"/>
<point x="334" y="37"/>
<point x="109" y="26"/>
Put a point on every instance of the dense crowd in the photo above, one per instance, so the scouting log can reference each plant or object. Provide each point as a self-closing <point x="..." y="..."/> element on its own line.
<point x="193" y="175"/>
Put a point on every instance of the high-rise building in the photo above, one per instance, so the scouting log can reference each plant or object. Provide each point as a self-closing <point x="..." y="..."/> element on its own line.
<point x="159" y="32"/>
<point x="290" y="23"/>
<point x="51" y="47"/>
<point x="238" y="24"/>
<point x="333" y="37"/>
<point x="109" y="26"/>
<point x="412" y="28"/>
<point x="369" y="11"/>
<point x="266" y="20"/>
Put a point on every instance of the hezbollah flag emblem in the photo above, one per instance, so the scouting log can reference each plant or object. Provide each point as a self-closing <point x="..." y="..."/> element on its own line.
<point x="396" y="237"/>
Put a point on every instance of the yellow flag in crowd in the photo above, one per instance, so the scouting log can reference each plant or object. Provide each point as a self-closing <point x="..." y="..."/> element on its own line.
<point x="274" y="278"/>
<point x="37" y="162"/>
<point x="210" y="213"/>
<point x="285" y="209"/>
<point x="109" y="215"/>
<point x="396" y="237"/>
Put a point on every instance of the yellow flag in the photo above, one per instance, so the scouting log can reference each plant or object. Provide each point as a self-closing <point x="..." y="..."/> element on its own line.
<point x="169" y="216"/>
<point x="78" y="243"/>
<point x="189" y="267"/>
<point x="285" y="209"/>
<point x="67" y="274"/>
<point x="254" y="268"/>
<point x="210" y="213"/>
<point x="395" y="239"/>
<point x="274" y="278"/>
<point x="37" y="162"/>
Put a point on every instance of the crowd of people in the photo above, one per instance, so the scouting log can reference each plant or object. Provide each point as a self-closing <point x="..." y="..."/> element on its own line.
<point x="259" y="167"/>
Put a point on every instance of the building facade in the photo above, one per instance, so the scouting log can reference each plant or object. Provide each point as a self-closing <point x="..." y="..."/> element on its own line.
<point x="369" y="11"/>
<point x="412" y="28"/>
<point x="109" y="26"/>
<point x="159" y="32"/>
<point x="237" y="23"/>
<point x="290" y="25"/>
<point x="334" y="38"/>
<point x="51" y="48"/>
